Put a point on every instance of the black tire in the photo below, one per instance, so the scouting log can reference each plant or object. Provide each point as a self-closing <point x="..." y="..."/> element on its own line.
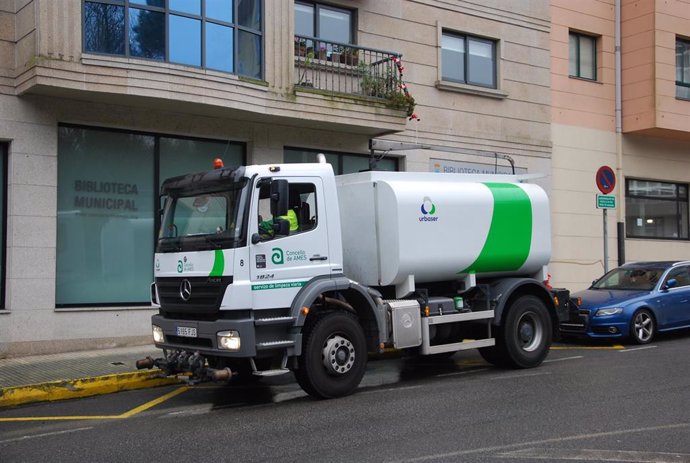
<point x="340" y="336"/>
<point x="642" y="327"/>
<point x="524" y="337"/>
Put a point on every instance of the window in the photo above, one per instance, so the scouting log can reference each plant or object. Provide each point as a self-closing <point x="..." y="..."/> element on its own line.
<point x="342" y="163"/>
<point x="224" y="35"/>
<point x="301" y="215"/>
<point x="3" y="220"/>
<point x="324" y="22"/>
<point x="583" y="56"/>
<point x="681" y="275"/>
<point x="656" y="209"/>
<point x="469" y="60"/>
<point x="108" y="187"/>
<point x="683" y="68"/>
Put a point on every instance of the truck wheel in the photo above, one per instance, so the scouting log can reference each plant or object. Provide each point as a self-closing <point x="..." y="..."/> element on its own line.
<point x="524" y="337"/>
<point x="334" y="356"/>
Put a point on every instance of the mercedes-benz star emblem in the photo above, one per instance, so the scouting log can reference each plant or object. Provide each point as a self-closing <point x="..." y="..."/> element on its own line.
<point x="185" y="289"/>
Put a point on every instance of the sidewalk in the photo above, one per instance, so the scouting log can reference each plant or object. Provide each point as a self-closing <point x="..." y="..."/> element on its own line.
<point x="76" y="374"/>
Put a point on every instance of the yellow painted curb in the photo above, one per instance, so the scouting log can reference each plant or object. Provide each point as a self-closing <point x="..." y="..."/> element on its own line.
<point x="84" y="387"/>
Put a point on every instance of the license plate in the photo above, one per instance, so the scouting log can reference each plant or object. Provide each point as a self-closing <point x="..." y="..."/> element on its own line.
<point x="186" y="331"/>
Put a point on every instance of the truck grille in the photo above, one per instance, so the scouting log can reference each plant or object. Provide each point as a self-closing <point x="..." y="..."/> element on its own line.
<point x="205" y="294"/>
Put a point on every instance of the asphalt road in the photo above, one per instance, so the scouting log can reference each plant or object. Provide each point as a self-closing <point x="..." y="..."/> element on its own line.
<point x="586" y="403"/>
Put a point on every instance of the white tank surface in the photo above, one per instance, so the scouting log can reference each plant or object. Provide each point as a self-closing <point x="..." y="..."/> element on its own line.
<point x="440" y="227"/>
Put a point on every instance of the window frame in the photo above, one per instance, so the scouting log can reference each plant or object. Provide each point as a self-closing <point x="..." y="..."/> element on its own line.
<point x="318" y="5"/>
<point x="578" y="58"/>
<point x="5" y="154"/>
<point x="685" y="79"/>
<point x="167" y="12"/>
<point x="157" y="136"/>
<point x="679" y="201"/>
<point x="467" y="38"/>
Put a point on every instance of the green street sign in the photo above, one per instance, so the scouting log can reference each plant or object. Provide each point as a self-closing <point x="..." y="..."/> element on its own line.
<point x="606" y="201"/>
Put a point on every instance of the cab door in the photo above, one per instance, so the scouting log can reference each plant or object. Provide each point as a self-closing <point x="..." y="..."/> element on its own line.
<point x="281" y="265"/>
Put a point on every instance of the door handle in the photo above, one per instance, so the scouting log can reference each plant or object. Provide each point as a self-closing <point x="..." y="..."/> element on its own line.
<point x="314" y="258"/>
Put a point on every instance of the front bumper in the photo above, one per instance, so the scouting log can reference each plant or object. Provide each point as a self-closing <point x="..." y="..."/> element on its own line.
<point x="206" y="341"/>
<point x="582" y="322"/>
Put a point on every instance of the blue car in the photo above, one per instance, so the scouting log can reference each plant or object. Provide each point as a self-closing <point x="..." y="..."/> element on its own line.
<point x="634" y="301"/>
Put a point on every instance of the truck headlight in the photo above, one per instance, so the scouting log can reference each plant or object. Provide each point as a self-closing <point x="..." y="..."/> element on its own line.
<point x="158" y="334"/>
<point x="228" y="340"/>
<point x="610" y="311"/>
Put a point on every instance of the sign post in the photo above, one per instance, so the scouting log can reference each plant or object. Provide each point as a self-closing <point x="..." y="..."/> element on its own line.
<point x="606" y="182"/>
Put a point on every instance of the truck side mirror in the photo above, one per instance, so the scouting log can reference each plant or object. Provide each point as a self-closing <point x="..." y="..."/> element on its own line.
<point x="281" y="227"/>
<point x="279" y="197"/>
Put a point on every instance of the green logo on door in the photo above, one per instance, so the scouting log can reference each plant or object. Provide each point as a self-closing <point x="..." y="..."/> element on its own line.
<point x="277" y="257"/>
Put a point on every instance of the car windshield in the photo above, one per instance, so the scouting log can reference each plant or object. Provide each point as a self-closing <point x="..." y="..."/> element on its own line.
<point x="202" y="220"/>
<point x="632" y="279"/>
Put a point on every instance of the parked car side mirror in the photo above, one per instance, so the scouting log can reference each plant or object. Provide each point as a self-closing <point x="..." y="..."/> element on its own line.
<point x="672" y="283"/>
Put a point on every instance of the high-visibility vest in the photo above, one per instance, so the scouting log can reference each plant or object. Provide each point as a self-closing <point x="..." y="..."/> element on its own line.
<point x="292" y="218"/>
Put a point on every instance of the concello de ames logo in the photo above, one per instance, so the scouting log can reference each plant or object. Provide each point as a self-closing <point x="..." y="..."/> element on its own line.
<point x="428" y="210"/>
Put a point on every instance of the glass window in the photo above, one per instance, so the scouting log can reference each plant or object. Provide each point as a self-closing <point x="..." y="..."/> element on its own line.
<point x="683" y="68"/>
<point x="469" y="60"/>
<point x="249" y="54"/>
<point x="583" y="56"/>
<point x="106" y="198"/>
<point x="219" y="40"/>
<point x="656" y="209"/>
<point x="186" y="6"/>
<point x="105" y="217"/>
<point x="301" y="214"/>
<point x="220" y="10"/>
<point x="104" y="28"/>
<point x="146" y="34"/>
<point x="156" y="3"/>
<point x="185" y="40"/>
<point x="3" y="219"/>
<point x="343" y="163"/>
<point x="325" y="22"/>
<point x="224" y="35"/>
<point x="249" y="14"/>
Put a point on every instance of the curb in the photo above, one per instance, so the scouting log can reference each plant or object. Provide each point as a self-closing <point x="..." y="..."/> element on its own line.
<point x="83" y="387"/>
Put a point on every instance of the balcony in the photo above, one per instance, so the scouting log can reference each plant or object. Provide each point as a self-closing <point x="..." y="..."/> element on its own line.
<point x="340" y="69"/>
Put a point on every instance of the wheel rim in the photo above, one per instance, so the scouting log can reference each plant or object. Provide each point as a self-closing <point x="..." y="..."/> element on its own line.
<point x="644" y="326"/>
<point x="530" y="332"/>
<point x="338" y="355"/>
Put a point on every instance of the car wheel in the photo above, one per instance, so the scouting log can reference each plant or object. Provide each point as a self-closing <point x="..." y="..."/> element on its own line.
<point x="642" y="327"/>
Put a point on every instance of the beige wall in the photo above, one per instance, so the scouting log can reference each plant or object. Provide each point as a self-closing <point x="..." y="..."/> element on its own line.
<point x="649" y="31"/>
<point x="583" y="130"/>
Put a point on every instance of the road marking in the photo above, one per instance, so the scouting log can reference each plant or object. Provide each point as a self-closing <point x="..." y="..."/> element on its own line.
<point x="498" y="448"/>
<point x="614" y="347"/>
<point x="635" y="349"/>
<point x="46" y="434"/>
<point x="598" y="455"/>
<point x="541" y="373"/>
<point x="154" y="402"/>
<point x="563" y="359"/>
<point x="125" y="415"/>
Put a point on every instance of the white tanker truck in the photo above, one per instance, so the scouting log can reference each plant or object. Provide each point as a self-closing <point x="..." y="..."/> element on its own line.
<point x="263" y="270"/>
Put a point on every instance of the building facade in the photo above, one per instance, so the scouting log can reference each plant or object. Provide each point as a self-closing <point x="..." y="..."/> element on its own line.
<point x="650" y="153"/>
<point x="100" y="100"/>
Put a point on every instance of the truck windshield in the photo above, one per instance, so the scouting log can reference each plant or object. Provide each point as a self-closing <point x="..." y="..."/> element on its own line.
<point x="204" y="220"/>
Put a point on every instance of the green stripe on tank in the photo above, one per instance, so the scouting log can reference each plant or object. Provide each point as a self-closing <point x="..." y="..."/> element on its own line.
<point x="218" y="264"/>
<point x="510" y="235"/>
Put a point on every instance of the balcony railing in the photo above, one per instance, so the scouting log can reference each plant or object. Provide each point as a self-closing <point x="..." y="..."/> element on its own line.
<point x="349" y="69"/>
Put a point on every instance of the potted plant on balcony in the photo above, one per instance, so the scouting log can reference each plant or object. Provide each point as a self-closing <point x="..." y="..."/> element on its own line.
<point x="349" y="56"/>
